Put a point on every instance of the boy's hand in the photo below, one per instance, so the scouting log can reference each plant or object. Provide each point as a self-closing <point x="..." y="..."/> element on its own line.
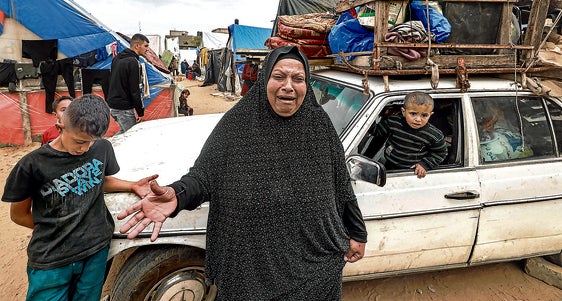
<point x="154" y="208"/>
<point x="419" y="170"/>
<point x="142" y="187"/>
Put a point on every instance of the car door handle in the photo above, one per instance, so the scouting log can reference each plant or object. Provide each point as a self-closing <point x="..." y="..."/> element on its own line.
<point x="463" y="195"/>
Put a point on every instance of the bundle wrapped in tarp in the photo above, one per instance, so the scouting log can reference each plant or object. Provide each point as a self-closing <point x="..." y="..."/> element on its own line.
<point x="311" y="51"/>
<point x="308" y="32"/>
<point x="348" y="35"/>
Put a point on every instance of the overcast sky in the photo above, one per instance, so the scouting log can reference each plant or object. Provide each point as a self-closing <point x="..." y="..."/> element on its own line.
<point x="159" y="16"/>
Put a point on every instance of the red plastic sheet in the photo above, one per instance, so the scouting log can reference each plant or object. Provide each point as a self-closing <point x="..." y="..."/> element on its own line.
<point x="11" y="121"/>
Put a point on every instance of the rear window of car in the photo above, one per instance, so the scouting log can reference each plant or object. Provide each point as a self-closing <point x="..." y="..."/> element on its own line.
<point x="516" y="128"/>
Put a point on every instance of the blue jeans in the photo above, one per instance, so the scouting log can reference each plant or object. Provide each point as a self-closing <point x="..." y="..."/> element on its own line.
<point x="124" y="118"/>
<point x="80" y="280"/>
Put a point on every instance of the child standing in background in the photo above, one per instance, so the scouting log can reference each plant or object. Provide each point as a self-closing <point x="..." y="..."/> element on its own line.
<point x="59" y="106"/>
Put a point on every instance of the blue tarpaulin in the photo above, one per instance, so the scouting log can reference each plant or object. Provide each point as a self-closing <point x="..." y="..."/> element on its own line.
<point x="76" y="31"/>
<point x="242" y="36"/>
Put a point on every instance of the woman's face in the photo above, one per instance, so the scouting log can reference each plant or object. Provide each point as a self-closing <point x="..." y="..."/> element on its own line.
<point x="286" y="87"/>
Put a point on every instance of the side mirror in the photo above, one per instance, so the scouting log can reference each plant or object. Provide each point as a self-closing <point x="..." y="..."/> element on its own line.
<point x="364" y="169"/>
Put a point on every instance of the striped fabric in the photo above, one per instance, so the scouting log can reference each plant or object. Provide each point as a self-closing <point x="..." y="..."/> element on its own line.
<point x="407" y="146"/>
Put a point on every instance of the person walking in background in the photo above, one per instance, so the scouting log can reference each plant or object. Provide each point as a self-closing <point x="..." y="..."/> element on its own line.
<point x="290" y="219"/>
<point x="58" y="191"/>
<point x="126" y="84"/>
<point x="59" y="106"/>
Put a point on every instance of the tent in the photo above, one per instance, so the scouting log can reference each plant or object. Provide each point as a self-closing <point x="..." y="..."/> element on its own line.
<point x="212" y="46"/>
<point x="240" y="37"/>
<point x="76" y="33"/>
<point x="214" y="40"/>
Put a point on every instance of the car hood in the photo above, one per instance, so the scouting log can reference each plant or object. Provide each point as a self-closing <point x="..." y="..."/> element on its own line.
<point x="167" y="147"/>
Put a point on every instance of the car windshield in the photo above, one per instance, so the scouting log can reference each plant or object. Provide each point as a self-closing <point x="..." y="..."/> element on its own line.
<point x="340" y="102"/>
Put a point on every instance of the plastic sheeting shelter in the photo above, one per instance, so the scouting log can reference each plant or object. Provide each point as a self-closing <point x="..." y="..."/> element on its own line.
<point x="77" y="32"/>
<point x="214" y="40"/>
<point x="240" y="37"/>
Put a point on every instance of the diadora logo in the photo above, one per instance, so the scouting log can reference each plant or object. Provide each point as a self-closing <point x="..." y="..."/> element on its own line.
<point x="79" y="181"/>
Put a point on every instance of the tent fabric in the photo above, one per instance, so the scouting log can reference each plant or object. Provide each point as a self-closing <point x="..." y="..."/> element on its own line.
<point x="239" y="37"/>
<point x="76" y="31"/>
<point x="2" y="19"/>
<point x="301" y="7"/>
<point x="213" y="68"/>
<point x="213" y="40"/>
<point x="243" y="36"/>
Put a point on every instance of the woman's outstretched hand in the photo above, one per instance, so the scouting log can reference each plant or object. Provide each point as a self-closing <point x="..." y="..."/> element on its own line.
<point x="155" y="207"/>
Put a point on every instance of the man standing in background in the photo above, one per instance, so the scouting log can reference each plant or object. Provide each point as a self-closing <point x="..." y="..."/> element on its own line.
<point x="125" y="85"/>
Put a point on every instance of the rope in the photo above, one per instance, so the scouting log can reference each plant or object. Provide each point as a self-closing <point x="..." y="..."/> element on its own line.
<point x="434" y="67"/>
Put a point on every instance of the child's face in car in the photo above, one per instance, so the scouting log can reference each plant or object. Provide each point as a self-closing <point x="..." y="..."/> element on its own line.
<point x="416" y="115"/>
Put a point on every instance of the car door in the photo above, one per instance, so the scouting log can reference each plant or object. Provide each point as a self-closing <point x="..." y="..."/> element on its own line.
<point x="417" y="224"/>
<point x="520" y="170"/>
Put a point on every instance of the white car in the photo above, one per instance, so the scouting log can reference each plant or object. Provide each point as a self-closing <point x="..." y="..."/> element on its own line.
<point x="497" y="196"/>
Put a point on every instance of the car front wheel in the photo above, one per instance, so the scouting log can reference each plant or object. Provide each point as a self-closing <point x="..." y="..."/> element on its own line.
<point x="163" y="273"/>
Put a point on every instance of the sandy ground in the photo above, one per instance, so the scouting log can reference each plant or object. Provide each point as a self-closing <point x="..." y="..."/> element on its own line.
<point x="501" y="282"/>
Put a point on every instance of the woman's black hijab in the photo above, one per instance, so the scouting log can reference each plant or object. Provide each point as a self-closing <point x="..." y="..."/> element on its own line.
<point x="277" y="188"/>
<point x="258" y="91"/>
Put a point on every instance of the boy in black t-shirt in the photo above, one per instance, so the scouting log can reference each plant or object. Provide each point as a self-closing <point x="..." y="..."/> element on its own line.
<point x="58" y="191"/>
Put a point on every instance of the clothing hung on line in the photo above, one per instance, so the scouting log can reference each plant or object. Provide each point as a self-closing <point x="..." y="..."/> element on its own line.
<point x="7" y="73"/>
<point x="39" y="50"/>
<point x="49" y="74"/>
<point x="93" y="76"/>
<point x="85" y="60"/>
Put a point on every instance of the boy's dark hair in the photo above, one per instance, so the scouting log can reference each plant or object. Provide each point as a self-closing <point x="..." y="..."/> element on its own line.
<point x="139" y="38"/>
<point x="186" y="90"/>
<point x="89" y="114"/>
<point x="418" y="98"/>
<point x="58" y="100"/>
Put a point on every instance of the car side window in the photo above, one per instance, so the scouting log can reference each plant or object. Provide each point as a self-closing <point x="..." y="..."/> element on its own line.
<point x="446" y="117"/>
<point x="512" y="128"/>
<point x="555" y="113"/>
<point x="340" y="102"/>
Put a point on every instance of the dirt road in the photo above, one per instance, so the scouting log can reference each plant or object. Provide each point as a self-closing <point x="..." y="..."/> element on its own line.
<point x="496" y="282"/>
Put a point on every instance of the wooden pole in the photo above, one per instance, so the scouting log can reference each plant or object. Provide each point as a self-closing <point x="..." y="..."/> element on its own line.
<point x="25" y="117"/>
<point x="535" y="27"/>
